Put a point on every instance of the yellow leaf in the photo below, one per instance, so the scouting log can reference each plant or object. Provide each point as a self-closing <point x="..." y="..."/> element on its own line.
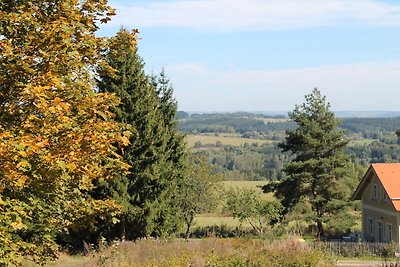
<point x="20" y="182"/>
<point x="125" y="141"/>
<point x="23" y="164"/>
<point x="17" y="225"/>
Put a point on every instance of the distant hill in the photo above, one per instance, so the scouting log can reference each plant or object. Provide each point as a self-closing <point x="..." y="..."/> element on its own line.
<point x="367" y="114"/>
<point x="340" y="114"/>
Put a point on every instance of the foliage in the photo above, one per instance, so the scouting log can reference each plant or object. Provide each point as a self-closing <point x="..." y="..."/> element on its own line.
<point x="318" y="173"/>
<point x="199" y="192"/>
<point x="55" y="131"/>
<point x="249" y="162"/>
<point x="376" y="151"/>
<point x="247" y="205"/>
<point x="371" y="127"/>
<point x="175" y="153"/>
<point x="156" y="151"/>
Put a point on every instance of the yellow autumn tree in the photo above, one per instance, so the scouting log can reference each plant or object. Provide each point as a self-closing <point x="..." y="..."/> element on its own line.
<point x="56" y="132"/>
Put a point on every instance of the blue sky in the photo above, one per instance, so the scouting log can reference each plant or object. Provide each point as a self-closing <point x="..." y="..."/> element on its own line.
<point x="265" y="55"/>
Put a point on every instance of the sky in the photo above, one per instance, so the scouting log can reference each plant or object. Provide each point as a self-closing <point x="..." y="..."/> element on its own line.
<point x="265" y="55"/>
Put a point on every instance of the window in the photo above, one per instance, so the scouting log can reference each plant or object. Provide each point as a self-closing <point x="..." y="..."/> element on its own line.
<point x="370" y="227"/>
<point x="389" y="232"/>
<point x="379" y="233"/>
<point x="385" y="197"/>
<point x="374" y="191"/>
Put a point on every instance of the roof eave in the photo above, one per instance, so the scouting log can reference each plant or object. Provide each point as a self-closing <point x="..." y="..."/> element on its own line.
<point x="357" y="195"/>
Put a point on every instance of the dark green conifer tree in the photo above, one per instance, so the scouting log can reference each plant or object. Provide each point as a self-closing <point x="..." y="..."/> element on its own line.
<point x="156" y="150"/>
<point x="318" y="176"/>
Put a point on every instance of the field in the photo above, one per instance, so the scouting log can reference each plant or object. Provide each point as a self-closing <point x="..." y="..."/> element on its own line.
<point x="201" y="252"/>
<point x="203" y="220"/>
<point x="273" y="120"/>
<point x="225" y="139"/>
<point x="361" y="142"/>
<point x="210" y="220"/>
<point x="254" y="185"/>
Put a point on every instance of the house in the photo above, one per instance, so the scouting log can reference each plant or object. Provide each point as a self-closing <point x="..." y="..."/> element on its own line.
<point x="379" y="192"/>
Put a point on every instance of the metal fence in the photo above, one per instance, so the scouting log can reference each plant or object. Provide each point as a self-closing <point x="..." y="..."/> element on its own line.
<point x="356" y="249"/>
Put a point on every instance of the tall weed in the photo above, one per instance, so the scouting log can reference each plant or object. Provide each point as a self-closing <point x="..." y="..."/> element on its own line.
<point x="209" y="252"/>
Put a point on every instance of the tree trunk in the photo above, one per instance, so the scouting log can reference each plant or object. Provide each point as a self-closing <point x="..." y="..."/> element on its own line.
<point x="189" y="225"/>
<point x="123" y="229"/>
<point x="320" y="230"/>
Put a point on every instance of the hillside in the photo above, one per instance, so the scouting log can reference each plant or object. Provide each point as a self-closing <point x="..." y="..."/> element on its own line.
<point x="244" y="146"/>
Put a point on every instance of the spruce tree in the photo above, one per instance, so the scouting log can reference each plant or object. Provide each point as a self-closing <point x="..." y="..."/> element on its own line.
<point x="318" y="174"/>
<point x="156" y="148"/>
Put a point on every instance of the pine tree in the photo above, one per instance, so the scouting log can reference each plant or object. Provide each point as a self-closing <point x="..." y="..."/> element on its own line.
<point x="156" y="150"/>
<point x="318" y="174"/>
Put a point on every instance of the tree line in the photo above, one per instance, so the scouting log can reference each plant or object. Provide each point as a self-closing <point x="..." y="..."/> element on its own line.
<point x="252" y="125"/>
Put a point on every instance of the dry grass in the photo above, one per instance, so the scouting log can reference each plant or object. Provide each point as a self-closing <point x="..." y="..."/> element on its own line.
<point x="253" y="185"/>
<point x="204" y="220"/>
<point x="224" y="139"/>
<point x="273" y="120"/>
<point x="65" y="260"/>
<point x="207" y="252"/>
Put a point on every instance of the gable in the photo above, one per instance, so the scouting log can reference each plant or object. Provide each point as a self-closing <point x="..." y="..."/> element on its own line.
<point x="388" y="174"/>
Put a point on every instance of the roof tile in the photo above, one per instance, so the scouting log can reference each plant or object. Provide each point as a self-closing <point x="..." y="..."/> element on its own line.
<point x="389" y="175"/>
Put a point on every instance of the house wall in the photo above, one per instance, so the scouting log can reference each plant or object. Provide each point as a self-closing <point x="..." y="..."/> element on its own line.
<point x="379" y="218"/>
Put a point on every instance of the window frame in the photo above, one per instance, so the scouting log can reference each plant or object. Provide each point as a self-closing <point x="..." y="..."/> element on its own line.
<point x="370" y="227"/>
<point x="374" y="191"/>
<point x="389" y="232"/>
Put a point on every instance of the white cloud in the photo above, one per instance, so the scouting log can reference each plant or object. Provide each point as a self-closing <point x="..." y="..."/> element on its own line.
<point x="233" y="15"/>
<point x="367" y="86"/>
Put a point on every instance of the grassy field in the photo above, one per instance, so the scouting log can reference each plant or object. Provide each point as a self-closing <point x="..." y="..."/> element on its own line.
<point x="203" y="220"/>
<point x="210" y="220"/>
<point x="361" y="142"/>
<point x="266" y="120"/>
<point x="228" y="139"/>
<point x="253" y="185"/>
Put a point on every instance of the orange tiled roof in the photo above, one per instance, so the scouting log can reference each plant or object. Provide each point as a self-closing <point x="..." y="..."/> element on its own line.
<point x="389" y="176"/>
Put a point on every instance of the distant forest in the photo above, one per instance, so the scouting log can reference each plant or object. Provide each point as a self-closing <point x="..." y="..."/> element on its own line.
<point x="242" y="122"/>
<point x="370" y="140"/>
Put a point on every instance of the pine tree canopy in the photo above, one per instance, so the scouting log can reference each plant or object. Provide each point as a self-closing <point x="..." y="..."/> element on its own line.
<point x="318" y="175"/>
